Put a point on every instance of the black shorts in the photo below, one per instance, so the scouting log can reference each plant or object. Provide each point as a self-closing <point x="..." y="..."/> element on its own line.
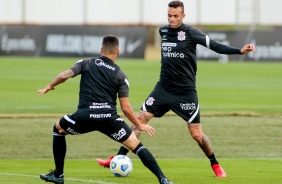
<point x="185" y="105"/>
<point x="76" y="124"/>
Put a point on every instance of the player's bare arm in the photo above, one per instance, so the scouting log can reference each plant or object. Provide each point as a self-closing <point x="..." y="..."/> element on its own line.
<point x="128" y="112"/>
<point x="62" y="77"/>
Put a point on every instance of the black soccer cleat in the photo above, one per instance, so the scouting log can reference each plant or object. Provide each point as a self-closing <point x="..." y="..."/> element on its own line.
<point x="50" y="177"/>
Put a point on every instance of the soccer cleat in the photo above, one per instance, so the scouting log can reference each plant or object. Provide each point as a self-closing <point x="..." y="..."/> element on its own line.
<point x="105" y="163"/>
<point x="218" y="171"/>
<point x="165" y="181"/>
<point x="50" y="177"/>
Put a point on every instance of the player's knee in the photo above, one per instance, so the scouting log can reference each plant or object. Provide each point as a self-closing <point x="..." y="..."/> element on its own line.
<point x="197" y="137"/>
<point x="56" y="132"/>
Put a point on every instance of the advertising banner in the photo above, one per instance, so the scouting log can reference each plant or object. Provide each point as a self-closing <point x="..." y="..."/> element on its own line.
<point x="70" y="41"/>
<point x="85" y="41"/>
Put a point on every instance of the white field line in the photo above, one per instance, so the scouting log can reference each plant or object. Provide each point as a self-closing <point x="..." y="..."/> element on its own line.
<point x="69" y="179"/>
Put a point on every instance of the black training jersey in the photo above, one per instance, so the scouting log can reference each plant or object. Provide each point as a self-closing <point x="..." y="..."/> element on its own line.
<point x="101" y="81"/>
<point x="178" y="63"/>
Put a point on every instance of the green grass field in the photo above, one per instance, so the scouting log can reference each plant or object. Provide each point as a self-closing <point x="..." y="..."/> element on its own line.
<point x="223" y="88"/>
<point x="241" y="113"/>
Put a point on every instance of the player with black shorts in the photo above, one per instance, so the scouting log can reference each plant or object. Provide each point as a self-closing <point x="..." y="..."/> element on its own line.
<point x="160" y="101"/>
<point x="176" y="88"/>
<point x="102" y="81"/>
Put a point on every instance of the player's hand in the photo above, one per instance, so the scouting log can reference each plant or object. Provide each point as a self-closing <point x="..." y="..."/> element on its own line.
<point x="248" y="48"/>
<point x="45" y="90"/>
<point x="144" y="127"/>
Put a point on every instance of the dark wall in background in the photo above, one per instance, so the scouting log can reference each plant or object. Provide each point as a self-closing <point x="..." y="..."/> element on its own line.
<point x="70" y="41"/>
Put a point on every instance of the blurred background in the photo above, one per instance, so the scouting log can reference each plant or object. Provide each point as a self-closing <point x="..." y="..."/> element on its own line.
<point x="76" y="27"/>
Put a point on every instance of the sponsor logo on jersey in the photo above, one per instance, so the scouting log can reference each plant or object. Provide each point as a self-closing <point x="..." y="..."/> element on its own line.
<point x="100" y="62"/>
<point x="167" y="44"/>
<point x="164" y="37"/>
<point x="100" y="115"/>
<point x="164" y="30"/>
<point x="191" y="107"/>
<point x="150" y="101"/>
<point x="167" y="51"/>
<point x="121" y="133"/>
<point x="181" y="36"/>
<point x="99" y="106"/>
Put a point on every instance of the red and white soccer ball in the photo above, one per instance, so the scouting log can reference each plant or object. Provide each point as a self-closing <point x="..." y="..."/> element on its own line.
<point x="121" y="166"/>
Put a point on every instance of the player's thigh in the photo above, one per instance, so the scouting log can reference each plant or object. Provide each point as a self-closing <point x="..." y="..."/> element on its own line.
<point x="187" y="107"/>
<point x="157" y="103"/>
<point x="74" y="126"/>
<point x="116" y="129"/>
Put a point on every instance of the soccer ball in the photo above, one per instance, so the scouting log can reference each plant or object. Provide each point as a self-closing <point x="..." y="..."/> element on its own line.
<point x="121" y="166"/>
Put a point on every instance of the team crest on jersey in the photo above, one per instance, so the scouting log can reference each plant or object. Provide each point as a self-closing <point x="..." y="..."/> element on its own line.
<point x="181" y="36"/>
<point x="150" y="101"/>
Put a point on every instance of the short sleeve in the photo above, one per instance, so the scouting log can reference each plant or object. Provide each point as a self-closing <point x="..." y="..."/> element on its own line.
<point x="123" y="84"/>
<point x="77" y="67"/>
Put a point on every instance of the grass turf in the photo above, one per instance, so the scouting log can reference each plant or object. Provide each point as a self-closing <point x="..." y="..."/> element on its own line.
<point x="180" y="171"/>
<point x="248" y="148"/>
<point x="247" y="145"/>
<point x="237" y="87"/>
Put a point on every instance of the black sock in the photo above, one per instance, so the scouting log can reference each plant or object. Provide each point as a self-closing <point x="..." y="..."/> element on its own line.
<point x="148" y="160"/>
<point x="59" y="152"/>
<point x="212" y="159"/>
<point x="122" y="150"/>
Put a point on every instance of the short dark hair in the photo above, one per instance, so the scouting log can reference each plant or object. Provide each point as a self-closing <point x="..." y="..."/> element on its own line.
<point x="110" y="44"/>
<point x="175" y="4"/>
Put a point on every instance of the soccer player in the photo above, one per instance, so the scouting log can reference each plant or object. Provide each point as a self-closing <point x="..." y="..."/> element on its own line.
<point x="101" y="82"/>
<point x="176" y="88"/>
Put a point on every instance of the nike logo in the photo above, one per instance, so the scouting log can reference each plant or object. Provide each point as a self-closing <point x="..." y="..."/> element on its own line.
<point x="131" y="46"/>
<point x="191" y="112"/>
